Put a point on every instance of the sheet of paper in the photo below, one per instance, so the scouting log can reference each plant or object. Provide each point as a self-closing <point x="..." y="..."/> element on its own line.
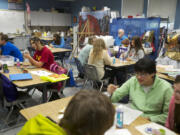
<point x="60" y="116"/>
<point x="154" y="126"/>
<point x="117" y="132"/>
<point x="165" y="66"/>
<point x="41" y="73"/>
<point x="130" y="115"/>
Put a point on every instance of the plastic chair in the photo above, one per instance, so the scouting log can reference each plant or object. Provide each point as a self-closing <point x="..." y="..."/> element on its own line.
<point x="80" y="68"/>
<point x="91" y="74"/>
<point x="22" y="98"/>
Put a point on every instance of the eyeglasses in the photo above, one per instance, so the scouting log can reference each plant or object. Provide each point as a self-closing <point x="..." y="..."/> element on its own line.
<point x="141" y="74"/>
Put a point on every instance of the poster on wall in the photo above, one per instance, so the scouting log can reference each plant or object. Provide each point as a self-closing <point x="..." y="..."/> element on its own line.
<point x="15" y="4"/>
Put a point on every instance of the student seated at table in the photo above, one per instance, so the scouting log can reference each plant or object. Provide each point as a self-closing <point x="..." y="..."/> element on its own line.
<point x="121" y="39"/>
<point x="43" y="57"/>
<point x="99" y="57"/>
<point x="88" y="113"/>
<point x="84" y="53"/>
<point x="173" y="120"/>
<point x="7" y="48"/>
<point x="136" y="50"/>
<point x="58" y="41"/>
<point x="146" y="90"/>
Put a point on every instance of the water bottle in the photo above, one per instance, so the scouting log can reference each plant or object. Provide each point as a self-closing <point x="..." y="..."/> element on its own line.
<point x="18" y="63"/>
<point x="114" y="60"/>
<point x="119" y="117"/>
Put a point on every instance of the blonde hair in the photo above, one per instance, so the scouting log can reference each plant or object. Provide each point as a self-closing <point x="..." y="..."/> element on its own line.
<point x="98" y="47"/>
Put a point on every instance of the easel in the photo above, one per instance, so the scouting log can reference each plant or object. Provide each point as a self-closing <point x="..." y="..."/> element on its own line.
<point x="80" y="35"/>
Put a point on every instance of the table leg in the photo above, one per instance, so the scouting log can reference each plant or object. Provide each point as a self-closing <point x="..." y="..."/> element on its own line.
<point x="44" y="92"/>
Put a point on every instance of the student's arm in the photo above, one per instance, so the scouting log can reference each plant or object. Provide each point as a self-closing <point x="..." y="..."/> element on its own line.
<point x="107" y="58"/>
<point x="171" y="113"/>
<point x="125" y="41"/>
<point x="62" y="43"/>
<point x="33" y="61"/>
<point x="140" y="54"/>
<point x="121" y="92"/>
<point x="161" y="118"/>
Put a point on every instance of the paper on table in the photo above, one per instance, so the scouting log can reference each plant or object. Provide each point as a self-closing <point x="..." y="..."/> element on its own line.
<point x="130" y="115"/>
<point x="165" y="66"/>
<point x="60" y="116"/>
<point x="118" y="132"/>
<point x="41" y="73"/>
<point x="154" y="126"/>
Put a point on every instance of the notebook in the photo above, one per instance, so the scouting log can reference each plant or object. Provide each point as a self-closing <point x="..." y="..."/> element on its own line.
<point x="16" y="77"/>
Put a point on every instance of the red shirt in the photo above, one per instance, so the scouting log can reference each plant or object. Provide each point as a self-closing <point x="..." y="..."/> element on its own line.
<point x="45" y="56"/>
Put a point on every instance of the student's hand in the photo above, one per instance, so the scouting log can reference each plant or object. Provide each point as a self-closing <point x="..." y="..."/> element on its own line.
<point x="26" y="55"/>
<point x="111" y="88"/>
<point x="123" y="55"/>
<point x="128" y="59"/>
<point x="51" y="46"/>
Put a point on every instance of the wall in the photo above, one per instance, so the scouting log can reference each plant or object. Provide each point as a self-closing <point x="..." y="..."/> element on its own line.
<point x="78" y="4"/>
<point x="48" y="4"/>
<point x="177" y="19"/>
<point x="44" y="4"/>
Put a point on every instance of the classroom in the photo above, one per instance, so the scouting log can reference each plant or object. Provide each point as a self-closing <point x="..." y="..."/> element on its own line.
<point x="89" y="67"/>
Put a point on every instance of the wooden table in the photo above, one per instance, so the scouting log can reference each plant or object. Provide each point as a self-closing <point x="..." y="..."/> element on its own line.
<point x="51" y="109"/>
<point x="46" y="38"/>
<point x="160" y="73"/>
<point x="29" y="84"/>
<point x="120" y="64"/>
<point x="59" y="50"/>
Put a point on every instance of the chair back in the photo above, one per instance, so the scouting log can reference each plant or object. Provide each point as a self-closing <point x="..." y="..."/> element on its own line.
<point x="80" y="68"/>
<point x="91" y="72"/>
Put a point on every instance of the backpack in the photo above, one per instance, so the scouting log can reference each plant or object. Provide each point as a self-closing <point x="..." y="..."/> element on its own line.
<point x="9" y="89"/>
<point x="58" y="70"/>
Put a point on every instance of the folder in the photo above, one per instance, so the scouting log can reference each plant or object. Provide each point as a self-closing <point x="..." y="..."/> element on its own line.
<point x="17" y="77"/>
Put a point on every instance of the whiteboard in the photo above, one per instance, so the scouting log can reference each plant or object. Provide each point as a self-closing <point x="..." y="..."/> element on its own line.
<point x="11" y="21"/>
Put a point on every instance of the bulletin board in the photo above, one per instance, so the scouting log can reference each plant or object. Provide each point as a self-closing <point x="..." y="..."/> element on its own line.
<point x="11" y="20"/>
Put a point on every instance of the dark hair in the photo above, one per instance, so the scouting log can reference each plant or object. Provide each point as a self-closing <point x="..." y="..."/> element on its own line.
<point x="35" y="40"/>
<point x="177" y="80"/>
<point x="137" y="43"/>
<point x="89" y="112"/>
<point x="58" y="39"/>
<point x="145" y="65"/>
<point x="177" y="111"/>
<point x="4" y="37"/>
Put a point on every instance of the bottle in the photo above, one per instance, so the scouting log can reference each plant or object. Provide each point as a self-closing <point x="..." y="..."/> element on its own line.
<point x="18" y="63"/>
<point x="114" y="60"/>
<point x="119" y="117"/>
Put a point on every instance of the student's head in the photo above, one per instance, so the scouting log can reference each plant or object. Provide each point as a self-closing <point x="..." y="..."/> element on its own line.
<point x="145" y="70"/>
<point x="35" y="43"/>
<point x="177" y="104"/>
<point x="3" y="39"/>
<point x="120" y="33"/>
<point x="136" y="43"/>
<point x="177" y="89"/>
<point x="91" y="40"/>
<point x="98" y="47"/>
<point x="56" y="39"/>
<point x="88" y="113"/>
